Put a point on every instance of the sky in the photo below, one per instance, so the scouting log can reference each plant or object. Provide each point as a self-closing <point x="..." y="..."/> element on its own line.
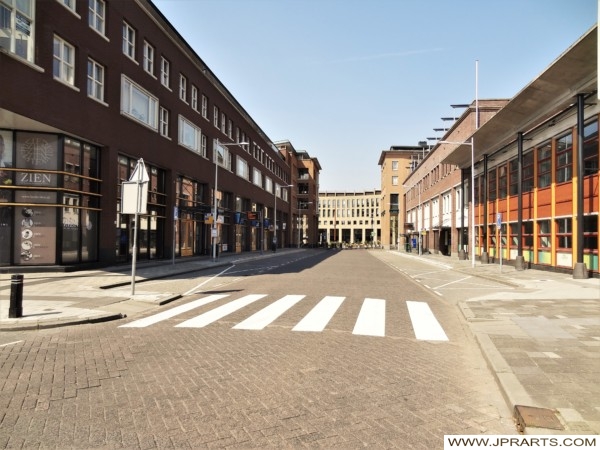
<point x="345" y="80"/>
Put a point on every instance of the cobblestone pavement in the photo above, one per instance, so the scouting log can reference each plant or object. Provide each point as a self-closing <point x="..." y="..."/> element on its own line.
<point x="104" y="386"/>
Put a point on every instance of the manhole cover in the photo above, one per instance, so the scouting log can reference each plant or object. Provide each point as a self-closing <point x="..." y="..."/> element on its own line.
<point x="530" y="416"/>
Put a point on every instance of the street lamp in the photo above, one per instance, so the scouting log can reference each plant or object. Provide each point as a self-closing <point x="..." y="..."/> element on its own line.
<point x="471" y="143"/>
<point x="214" y="217"/>
<point x="275" y="214"/>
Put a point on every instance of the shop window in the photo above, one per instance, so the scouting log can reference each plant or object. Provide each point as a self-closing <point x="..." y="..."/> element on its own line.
<point x="544" y="234"/>
<point x="544" y="164"/>
<point x="590" y="233"/>
<point x="590" y="148"/>
<point x="564" y="237"/>
<point x="564" y="158"/>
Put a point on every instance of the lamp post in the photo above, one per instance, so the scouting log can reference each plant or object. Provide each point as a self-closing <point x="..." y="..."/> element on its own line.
<point x="471" y="143"/>
<point x="214" y="217"/>
<point x="275" y="214"/>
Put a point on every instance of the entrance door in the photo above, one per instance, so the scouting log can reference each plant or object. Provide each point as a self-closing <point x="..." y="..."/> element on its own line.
<point x="187" y="237"/>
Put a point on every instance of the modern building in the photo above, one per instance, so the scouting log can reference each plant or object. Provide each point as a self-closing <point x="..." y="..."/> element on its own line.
<point x="96" y="91"/>
<point x="350" y="218"/>
<point x="305" y="172"/>
<point x="432" y="219"/>
<point x="396" y="164"/>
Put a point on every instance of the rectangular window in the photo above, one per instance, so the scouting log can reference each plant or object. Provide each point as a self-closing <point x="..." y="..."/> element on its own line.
<point x="395" y="180"/>
<point x="194" y="98"/>
<point x="492" y="189"/>
<point x="564" y="158"/>
<point x="64" y="61"/>
<point x="544" y="234"/>
<point x="514" y="176"/>
<point x="189" y="135"/>
<point x="544" y="165"/>
<point x="502" y="181"/>
<point x="138" y="104"/>
<point x="216" y="116"/>
<point x="203" y="146"/>
<point x="528" y="234"/>
<point x="165" y="72"/>
<point x="257" y="177"/>
<point x="221" y="155"/>
<point x="97" y="16"/>
<point x="16" y="27"/>
<point x="394" y="165"/>
<point x="164" y="122"/>
<point x="564" y="238"/>
<point x="95" y="80"/>
<point x="590" y="148"/>
<point x="204" y="106"/>
<point x="128" y="40"/>
<point x="148" y="58"/>
<point x="183" y="88"/>
<point x="527" y="172"/>
<point x="69" y="4"/>
<point x="590" y="233"/>
<point x="241" y="168"/>
<point x="268" y="185"/>
<point x="223" y="122"/>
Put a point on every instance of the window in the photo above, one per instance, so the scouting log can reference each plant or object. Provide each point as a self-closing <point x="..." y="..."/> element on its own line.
<point x="138" y="104"/>
<point x="189" y="135"/>
<point x="527" y="172"/>
<point x="394" y="165"/>
<point x="148" y="58"/>
<point x="544" y="234"/>
<point x="223" y="122"/>
<point x="564" y="158"/>
<point x="257" y="177"/>
<point x="241" y="168"/>
<point x="69" y="4"/>
<point x="203" y="146"/>
<point x="194" y="98"/>
<point x="183" y="88"/>
<point x="64" y="61"/>
<point x="95" y="80"/>
<point x="221" y="155"/>
<point x="216" y="116"/>
<point x="564" y="238"/>
<point x="128" y="40"/>
<point x="164" y="122"/>
<point x="590" y="148"/>
<point x="268" y="185"/>
<point x="395" y="180"/>
<point x="165" y="70"/>
<point x="204" y="106"/>
<point x="97" y="16"/>
<point x="514" y="176"/>
<point x="590" y="233"/>
<point x="528" y="234"/>
<point x="492" y="189"/>
<point x="502" y="180"/>
<point x="544" y="164"/>
<point x="16" y="27"/>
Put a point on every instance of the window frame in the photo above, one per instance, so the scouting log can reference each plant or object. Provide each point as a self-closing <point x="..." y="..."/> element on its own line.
<point x="97" y="16"/>
<point x="149" y="57"/>
<point x="564" y="170"/>
<point x="95" y="87"/>
<point x="163" y="120"/>
<point x="544" y="164"/>
<point x="152" y="106"/>
<point x="186" y="124"/>
<point x="165" y="72"/>
<point x="63" y="64"/>
<point x="129" y="39"/>
<point x="183" y="88"/>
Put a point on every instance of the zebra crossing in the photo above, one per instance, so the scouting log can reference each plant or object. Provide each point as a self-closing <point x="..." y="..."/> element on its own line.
<point x="371" y="319"/>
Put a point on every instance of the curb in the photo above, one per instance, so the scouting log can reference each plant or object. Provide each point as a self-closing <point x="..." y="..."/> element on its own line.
<point x="45" y="324"/>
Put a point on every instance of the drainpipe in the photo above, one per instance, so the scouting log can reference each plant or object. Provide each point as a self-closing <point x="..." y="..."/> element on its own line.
<point x="580" y="270"/>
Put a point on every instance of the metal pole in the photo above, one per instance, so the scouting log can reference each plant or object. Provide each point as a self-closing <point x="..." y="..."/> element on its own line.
<point x="472" y="202"/>
<point x="138" y="206"/>
<point x="274" y="244"/>
<point x="214" y="221"/>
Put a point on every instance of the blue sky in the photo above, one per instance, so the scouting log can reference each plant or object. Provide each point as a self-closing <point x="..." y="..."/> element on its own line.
<point x="346" y="79"/>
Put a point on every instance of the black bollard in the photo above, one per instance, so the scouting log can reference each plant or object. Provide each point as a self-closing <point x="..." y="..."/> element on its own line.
<point x="16" y="297"/>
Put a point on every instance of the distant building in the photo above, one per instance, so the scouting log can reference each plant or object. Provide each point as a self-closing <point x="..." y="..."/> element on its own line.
<point x="304" y="171"/>
<point x="350" y="218"/>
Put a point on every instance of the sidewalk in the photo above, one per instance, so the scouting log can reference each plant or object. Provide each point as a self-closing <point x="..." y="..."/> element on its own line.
<point x="542" y="341"/>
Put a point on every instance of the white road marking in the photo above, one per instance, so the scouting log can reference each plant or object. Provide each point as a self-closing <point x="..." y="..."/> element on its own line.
<point x="452" y="282"/>
<point x="191" y="291"/>
<point x="371" y="319"/>
<point x="424" y="323"/>
<point x="318" y="317"/>
<point x="220" y="312"/>
<point x="151" y="320"/>
<point x="10" y="343"/>
<point x="268" y="314"/>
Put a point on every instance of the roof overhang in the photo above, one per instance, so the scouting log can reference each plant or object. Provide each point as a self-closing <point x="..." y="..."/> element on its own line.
<point x="574" y="72"/>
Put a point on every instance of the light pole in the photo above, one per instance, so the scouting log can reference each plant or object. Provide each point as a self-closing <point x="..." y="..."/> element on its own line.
<point x="472" y="192"/>
<point x="214" y="217"/>
<point x="275" y="214"/>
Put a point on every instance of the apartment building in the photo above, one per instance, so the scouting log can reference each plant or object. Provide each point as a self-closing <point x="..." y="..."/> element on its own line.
<point x="91" y="89"/>
<point x="350" y="218"/>
<point x="396" y="164"/>
<point x="305" y="172"/>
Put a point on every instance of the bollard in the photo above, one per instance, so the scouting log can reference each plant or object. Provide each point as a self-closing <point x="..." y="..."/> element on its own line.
<point x="16" y="297"/>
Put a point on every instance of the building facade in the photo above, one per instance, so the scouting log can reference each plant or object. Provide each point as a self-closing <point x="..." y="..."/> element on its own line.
<point x="536" y="195"/>
<point x="396" y="164"/>
<point x="350" y="218"/>
<point x="305" y="172"/>
<point x="90" y="90"/>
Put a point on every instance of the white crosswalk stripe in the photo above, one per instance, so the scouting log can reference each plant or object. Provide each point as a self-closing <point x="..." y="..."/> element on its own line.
<point x="371" y="319"/>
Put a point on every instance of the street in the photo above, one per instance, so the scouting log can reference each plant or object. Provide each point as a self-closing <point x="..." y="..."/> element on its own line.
<point x="312" y="349"/>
